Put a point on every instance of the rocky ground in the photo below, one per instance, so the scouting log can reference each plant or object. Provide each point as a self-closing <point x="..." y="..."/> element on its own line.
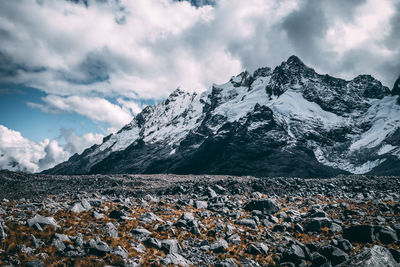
<point x="160" y="220"/>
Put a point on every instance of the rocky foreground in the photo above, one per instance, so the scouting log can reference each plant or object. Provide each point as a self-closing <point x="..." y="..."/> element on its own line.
<point x="161" y="220"/>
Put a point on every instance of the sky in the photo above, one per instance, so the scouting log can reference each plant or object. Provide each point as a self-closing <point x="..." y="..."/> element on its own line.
<point x="74" y="71"/>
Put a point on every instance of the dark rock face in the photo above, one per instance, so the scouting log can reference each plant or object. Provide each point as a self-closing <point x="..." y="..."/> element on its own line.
<point x="289" y="121"/>
<point x="396" y="87"/>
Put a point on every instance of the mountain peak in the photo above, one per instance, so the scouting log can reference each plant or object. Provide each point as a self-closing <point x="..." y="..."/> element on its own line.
<point x="294" y="61"/>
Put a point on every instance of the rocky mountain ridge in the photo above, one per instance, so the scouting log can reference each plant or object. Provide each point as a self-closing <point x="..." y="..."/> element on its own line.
<point x="286" y="121"/>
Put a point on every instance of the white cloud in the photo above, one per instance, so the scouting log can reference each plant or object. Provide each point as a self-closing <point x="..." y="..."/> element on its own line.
<point x="77" y="143"/>
<point x="95" y="108"/>
<point x="21" y="154"/>
<point x="80" y="55"/>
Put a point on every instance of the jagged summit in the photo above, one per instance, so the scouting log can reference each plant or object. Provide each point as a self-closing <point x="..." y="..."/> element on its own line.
<point x="286" y="121"/>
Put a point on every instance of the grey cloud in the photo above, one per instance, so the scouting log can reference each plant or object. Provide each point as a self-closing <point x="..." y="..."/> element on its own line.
<point x="393" y="40"/>
<point x="305" y="26"/>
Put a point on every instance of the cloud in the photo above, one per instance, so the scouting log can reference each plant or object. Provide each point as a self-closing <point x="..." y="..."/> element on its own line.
<point x="95" y="108"/>
<point x="76" y="143"/>
<point x="83" y="54"/>
<point x="18" y="153"/>
<point x="21" y="154"/>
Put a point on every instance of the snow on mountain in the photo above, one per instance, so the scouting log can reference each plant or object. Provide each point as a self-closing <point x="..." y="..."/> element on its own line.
<point x="289" y="120"/>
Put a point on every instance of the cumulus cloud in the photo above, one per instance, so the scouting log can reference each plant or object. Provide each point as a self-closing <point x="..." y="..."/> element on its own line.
<point x="95" y="108"/>
<point x="83" y="52"/>
<point x="21" y="154"/>
<point x="77" y="143"/>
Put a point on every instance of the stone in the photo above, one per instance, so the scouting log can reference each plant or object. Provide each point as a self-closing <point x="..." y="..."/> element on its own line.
<point x="120" y="251"/>
<point x="97" y="215"/>
<point x="253" y="249"/>
<point x="317" y="259"/>
<point x="175" y="259"/>
<point x="111" y="230"/>
<point x="387" y="235"/>
<point x="219" y="246"/>
<point x="315" y="224"/>
<point x="345" y="245"/>
<point x="266" y="206"/>
<point x="40" y="220"/>
<point x="116" y="214"/>
<point x="3" y="234"/>
<point x="170" y="246"/>
<point x="226" y="263"/>
<point x="333" y="254"/>
<point x="59" y="245"/>
<point x="211" y="193"/>
<point x="149" y="218"/>
<point x="234" y="239"/>
<point x="294" y="254"/>
<point x="35" y="263"/>
<point x="335" y="228"/>
<point x="201" y="204"/>
<point x="152" y="243"/>
<point x="62" y="237"/>
<point x="247" y="222"/>
<point x="395" y="254"/>
<point x="372" y="257"/>
<point x="141" y="232"/>
<point x="98" y="247"/>
<point x="78" y="208"/>
<point x="359" y="233"/>
<point x="298" y="228"/>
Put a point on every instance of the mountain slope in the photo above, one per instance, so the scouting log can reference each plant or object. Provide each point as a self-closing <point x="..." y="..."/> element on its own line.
<point x="286" y="121"/>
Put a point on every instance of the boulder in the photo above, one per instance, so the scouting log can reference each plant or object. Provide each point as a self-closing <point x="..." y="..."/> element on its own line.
<point x="42" y="221"/>
<point x="359" y="233"/>
<point x="372" y="257"/>
<point x="266" y="206"/>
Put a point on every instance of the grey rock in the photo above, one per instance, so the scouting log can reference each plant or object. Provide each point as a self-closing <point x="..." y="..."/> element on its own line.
<point x="99" y="247"/>
<point x="97" y="215"/>
<point x="372" y="257"/>
<point x="247" y="222"/>
<point x="234" y="239"/>
<point x="78" y="208"/>
<point x="152" y="242"/>
<point x="120" y="251"/>
<point x="79" y="241"/>
<point x="149" y="218"/>
<point x="226" y="263"/>
<point x="201" y="204"/>
<point x="62" y="237"/>
<point x="40" y="220"/>
<point x="170" y="246"/>
<point x="141" y="232"/>
<point x="294" y="254"/>
<point x="59" y="245"/>
<point x="35" y="263"/>
<point x="267" y="206"/>
<point x="111" y="230"/>
<point x="3" y="234"/>
<point x="219" y="246"/>
<point x="176" y="260"/>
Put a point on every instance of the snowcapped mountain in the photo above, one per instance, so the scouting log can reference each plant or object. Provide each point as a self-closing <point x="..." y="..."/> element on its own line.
<point x="289" y="121"/>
